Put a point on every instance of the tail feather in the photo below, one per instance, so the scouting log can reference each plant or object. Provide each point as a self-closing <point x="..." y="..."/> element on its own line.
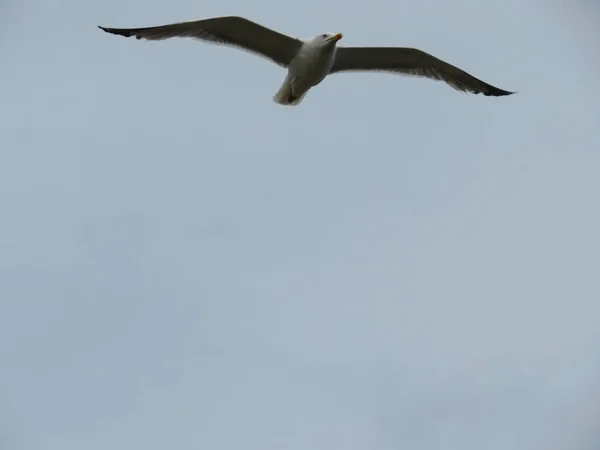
<point x="285" y="95"/>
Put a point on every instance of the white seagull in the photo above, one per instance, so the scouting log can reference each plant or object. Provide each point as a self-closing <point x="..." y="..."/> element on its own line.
<point x="309" y="61"/>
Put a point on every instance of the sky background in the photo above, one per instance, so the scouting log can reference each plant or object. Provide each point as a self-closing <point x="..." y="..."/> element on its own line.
<point x="391" y="265"/>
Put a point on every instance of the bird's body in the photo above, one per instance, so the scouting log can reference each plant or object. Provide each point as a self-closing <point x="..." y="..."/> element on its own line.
<point x="310" y="61"/>
<point x="309" y="67"/>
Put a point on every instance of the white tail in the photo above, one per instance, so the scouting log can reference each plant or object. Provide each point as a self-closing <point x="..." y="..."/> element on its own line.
<point x="285" y="95"/>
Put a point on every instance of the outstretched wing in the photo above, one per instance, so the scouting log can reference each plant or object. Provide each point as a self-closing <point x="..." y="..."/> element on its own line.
<point x="410" y="61"/>
<point x="230" y="31"/>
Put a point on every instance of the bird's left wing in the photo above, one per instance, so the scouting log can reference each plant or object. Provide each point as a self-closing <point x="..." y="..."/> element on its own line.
<point x="231" y="31"/>
<point x="410" y="61"/>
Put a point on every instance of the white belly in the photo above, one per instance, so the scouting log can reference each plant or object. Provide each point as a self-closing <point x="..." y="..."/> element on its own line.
<point x="310" y="67"/>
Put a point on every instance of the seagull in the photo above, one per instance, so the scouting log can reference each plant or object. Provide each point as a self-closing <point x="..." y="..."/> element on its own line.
<point x="309" y="61"/>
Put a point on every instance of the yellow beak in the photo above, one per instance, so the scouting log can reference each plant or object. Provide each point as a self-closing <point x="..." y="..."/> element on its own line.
<point x="337" y="37"/>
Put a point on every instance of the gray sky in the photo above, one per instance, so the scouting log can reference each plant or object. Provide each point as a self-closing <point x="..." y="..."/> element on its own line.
<point x="390" y="265"/>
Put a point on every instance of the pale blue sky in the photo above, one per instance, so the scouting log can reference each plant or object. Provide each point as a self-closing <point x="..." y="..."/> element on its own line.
<point x="391" y="265"/>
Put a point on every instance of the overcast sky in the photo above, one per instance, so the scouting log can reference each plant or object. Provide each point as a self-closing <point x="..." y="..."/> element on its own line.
<point x="390" y="265"/>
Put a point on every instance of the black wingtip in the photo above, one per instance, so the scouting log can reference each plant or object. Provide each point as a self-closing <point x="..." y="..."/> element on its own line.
<point x="496" y="92"/>
<point x="117" y="31"/>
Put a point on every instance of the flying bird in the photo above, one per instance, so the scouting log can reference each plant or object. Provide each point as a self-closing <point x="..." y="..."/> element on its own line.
<point x="309" y="61"/>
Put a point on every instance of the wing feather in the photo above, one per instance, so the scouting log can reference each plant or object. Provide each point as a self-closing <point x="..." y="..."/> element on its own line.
<point x="230" y="31"/>
<point x="410" y="61"/>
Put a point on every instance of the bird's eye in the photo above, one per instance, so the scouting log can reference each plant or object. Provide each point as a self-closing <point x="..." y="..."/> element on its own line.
<point x="324" y="35"/>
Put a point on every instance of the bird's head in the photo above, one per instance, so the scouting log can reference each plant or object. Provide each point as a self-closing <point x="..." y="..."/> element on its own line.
<point x="327" y="39"/>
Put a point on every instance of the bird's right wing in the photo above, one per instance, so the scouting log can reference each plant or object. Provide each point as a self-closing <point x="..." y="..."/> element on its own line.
<point x="231" y="31"/>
